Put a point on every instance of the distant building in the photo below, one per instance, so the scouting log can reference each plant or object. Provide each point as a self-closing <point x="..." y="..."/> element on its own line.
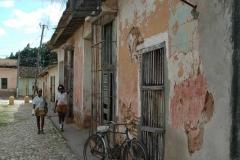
<point x="8" y="77"/>
<point x="26" y="81"/>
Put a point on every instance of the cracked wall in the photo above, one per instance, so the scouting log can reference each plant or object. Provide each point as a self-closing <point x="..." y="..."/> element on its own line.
<point x="198" y="72"/>
<point x="198" y="52"/>
<point x="187" y="78"/>
<point x="81" y="41"/>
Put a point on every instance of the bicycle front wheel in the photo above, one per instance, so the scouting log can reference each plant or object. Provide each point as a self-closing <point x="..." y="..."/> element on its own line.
<point x="135" y="150"/>
<point x="94" y="148"/>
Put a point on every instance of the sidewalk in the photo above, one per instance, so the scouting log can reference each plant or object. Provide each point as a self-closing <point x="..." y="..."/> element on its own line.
<point x="74" y="135"/>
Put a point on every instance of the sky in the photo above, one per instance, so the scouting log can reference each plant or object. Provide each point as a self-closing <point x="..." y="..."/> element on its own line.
<point x="20" y="23"/>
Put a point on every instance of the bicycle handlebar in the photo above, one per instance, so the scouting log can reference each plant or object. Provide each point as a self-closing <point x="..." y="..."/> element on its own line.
<point x="112" y="122"/>
<point x="131" y="123"/>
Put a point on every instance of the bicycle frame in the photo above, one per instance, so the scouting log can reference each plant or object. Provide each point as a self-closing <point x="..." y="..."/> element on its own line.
<point x="108" y="148"/>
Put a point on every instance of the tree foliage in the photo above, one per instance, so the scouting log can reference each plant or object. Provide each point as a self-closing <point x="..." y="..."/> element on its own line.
<point x="28" y="56"/>
<point x="12" y="56"/>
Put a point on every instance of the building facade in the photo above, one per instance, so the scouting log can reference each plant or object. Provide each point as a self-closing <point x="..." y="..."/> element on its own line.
<point x="49" y="80"/>
<point x="169" y="65"/>
<point x="8" y="77"/>
<point x="26" y="81"/>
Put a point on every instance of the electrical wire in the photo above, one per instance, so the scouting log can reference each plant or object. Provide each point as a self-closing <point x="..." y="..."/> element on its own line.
<point x="11" y="46"/>
<point x="41" y="12"/>
<point x="34" y="41"/>
<point x="59" y="12"/>
<point x="61" y="8"/>
<point x="20" y="44"/>
<point x="49" y="11"/>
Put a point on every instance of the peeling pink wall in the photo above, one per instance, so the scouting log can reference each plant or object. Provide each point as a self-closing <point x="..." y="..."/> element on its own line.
<point x="143" y="15"/>
<point x="188" y="89"/>
<point x="78" y="88"/>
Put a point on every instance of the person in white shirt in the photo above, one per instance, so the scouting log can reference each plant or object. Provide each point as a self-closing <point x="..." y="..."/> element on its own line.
<point x="39" y="103"/>
<point x="61" y="105"/>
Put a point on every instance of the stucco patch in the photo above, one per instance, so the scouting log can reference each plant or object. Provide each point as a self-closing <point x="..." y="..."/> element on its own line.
<point x="175" y="28"/>
<point x="188" y="102"/>
<point x="180" y="71"/>
<point x="77" y="118"/>
<point x="129" y="116"/>
<point x="133" y="40"/>
<point x="181" y="28"/>
<point x="195" y="139"/>
<point x="195" y="134"/>
<point x="191" y="105"/>
<point x="87" y="121"/>
<point x="208" y="108"/>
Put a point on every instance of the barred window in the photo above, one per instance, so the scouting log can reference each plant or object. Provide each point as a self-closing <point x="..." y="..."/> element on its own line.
<point x="4" y="83"/>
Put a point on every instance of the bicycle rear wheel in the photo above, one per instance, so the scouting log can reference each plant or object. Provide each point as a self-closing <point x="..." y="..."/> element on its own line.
<point x="94" y="148"/>
<point x="135" y="150"/>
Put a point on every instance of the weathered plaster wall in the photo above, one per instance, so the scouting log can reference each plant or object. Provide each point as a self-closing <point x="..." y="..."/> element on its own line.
<point x="198" y="65"/>
<point x="60" y="54"/>
<point x="196" y="103"/>
<point x="82" y="76"/>
<point x="215" y="49"/>
<point x="60" y="66"/>
<point x="189" y="108"/>
<point x="78" y="77"/>
<point x="144" y="15"/>
<point x="137" y="21"/>
<point x="87" y="89"/>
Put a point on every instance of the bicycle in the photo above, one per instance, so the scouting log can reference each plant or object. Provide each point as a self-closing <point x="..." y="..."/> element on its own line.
<point x="96" y="147"/>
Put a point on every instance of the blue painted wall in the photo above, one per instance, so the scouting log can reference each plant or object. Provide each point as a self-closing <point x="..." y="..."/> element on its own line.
<point x="30" y="82"/>
<point x="20" y="87"/>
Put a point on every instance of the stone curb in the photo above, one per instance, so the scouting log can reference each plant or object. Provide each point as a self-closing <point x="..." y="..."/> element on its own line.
<point x="57" y="128"/>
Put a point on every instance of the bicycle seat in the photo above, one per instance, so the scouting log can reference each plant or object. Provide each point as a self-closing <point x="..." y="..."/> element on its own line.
<point x="102" y="128"/>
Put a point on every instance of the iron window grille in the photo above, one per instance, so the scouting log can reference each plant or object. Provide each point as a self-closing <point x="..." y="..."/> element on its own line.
<point x="152" y="91"/>
<point x="52" y="90"/>
<point x="103" y="70"/>
<point x="84" y="8"/>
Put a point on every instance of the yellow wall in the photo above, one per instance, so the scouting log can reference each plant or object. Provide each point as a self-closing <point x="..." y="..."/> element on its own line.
<point x="25" y="86"/>
<point x="11" y="75"/>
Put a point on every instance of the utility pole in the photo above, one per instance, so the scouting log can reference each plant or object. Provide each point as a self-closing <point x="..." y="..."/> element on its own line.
<point x="38" y="58"/>
<point x="18" y="72"/>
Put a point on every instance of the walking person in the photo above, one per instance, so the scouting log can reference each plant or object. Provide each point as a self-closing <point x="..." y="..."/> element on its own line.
<point x="61" y="105"/>
<point x="39" y="103"/>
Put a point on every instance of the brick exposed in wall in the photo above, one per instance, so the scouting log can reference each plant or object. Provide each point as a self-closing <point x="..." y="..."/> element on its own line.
<point x="129" y="116"/>
<point x="195" y="134"/>
<point x="134" y="39"/>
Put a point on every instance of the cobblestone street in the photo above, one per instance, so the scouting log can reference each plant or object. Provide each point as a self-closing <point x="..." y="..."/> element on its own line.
<point x="20" y="141"/>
